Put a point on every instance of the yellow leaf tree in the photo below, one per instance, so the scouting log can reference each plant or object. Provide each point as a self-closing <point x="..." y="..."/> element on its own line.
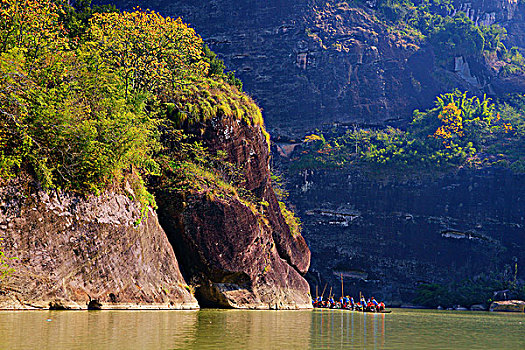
<point x="451" y="124"/>
<point x="149" y="51"/>
<point x="31" y="24"/>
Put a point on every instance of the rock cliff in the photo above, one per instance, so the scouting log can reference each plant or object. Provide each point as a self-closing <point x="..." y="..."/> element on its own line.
<point x="236" y="255"/>
<point x="76" y="253"/>
<point x="177" y="127"/>
<point x="386" y="236"/>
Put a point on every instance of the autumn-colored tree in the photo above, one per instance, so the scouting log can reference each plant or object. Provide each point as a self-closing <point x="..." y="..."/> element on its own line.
<point x="31" y="24"/>
<point x="451" y="124"/>
<point x="313" y="138"/>
<point x="62" y="111"/>
<point x="150" y="52"/>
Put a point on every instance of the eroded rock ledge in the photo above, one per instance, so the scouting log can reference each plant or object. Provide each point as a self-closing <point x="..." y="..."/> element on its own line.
<point x="229" y="253"/>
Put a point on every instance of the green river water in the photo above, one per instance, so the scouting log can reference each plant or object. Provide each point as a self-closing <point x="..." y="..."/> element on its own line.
<point x="236" y="329"/>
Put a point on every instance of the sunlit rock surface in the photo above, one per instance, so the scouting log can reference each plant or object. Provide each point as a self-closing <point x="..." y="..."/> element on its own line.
<point x="73" y="252"/>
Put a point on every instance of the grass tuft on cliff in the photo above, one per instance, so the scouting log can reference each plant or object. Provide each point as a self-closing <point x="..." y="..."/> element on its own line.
<point x="207" y="99"/>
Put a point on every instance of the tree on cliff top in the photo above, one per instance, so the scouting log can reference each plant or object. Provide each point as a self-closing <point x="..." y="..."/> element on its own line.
<point x="458" y="36"/>
<point x="150" y="52"/>
<point x="83" y="112"/>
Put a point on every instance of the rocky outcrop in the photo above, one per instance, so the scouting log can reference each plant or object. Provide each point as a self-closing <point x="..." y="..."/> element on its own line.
<point x="488" y="12"/>
<point x="516" y="26"/>
<point x="387" y="234"/>
<point x="247" y="147"/>
<point x="228" y="252"/>
<point x="508" y="306"/>
<point x="77" y="253"/>
<point x="74" y="252"/>
<point x="236" y="255"/>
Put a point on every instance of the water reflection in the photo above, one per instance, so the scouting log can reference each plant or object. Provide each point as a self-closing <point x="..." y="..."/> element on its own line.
<point x="339" y="329"/>
<point x="236" y="329"/>
<point x="96" y="329"/>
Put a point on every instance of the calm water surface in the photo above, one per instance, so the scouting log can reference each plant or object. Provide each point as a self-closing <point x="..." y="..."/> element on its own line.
<point x="235" y="329"/>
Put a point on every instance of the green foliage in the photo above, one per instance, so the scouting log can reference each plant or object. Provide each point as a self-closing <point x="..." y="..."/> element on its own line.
<point x="5" y="267"/>
<point x="515" y="63"/>
<point x="460" y="130"/>
<point x="75" y="19"/>
<point x="70" y="121"/>
<point x="209" y="98"/>
<point x="149" y="52"/>
<point x="449" y="31"/>
<point x="293" y="222"/>
<point x="494" y="36"/>
<point x="217" y="69"/>
<point x="457" y="36"/>
<point x="216" y="65"/>
<point x="92" y="97"/>
<point x="279" y="187"/>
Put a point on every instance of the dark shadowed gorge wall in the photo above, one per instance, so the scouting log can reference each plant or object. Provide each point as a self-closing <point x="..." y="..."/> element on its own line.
<point x="387" y="236"/>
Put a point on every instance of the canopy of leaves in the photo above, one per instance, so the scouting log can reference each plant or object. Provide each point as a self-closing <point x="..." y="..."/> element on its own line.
<point x="458" y="36"/>
<point x="63" y="110"/>
<point x="89" y="95"/>
<point x="150" y="52"/>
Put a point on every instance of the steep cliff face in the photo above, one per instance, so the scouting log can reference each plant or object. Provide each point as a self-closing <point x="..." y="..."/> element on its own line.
<point x="489" y="12"/>
<point x="311" y="63"/>
<point x="236" y="254"/>
<point x="387" y="236"/>
<point x="516" y="25"/>
<point x="76" y="253"/>
<point x="247" y="148"/>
